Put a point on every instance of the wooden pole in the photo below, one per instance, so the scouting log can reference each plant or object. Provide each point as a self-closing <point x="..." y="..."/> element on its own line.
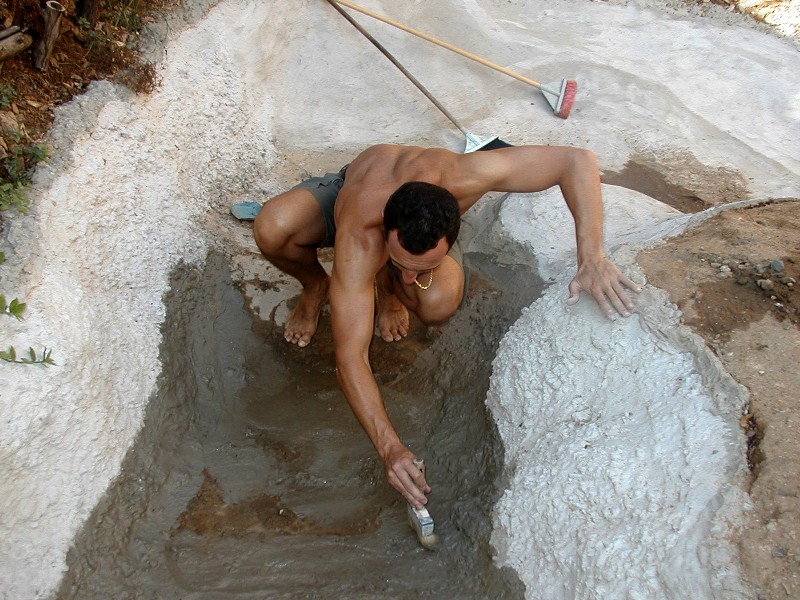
<point x="14" y="44"/>
<point x="52" y="18"/>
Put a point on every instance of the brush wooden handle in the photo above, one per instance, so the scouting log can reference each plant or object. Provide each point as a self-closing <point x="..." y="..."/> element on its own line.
<point x="439" y="42"/>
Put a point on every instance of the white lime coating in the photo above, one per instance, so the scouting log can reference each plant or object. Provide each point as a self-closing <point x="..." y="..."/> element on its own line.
<point x="621" y="445"/>
<point x="140" y="183"/>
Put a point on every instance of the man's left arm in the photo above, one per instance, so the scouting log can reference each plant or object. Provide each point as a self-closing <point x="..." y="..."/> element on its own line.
<point x="526" y="169"/>
<point x="580" y="186"/>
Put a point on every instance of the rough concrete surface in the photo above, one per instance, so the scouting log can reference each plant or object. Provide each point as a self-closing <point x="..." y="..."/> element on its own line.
<point x="635" y="494"/>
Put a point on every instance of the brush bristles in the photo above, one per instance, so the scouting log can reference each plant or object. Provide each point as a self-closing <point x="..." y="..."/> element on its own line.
<point x="567" y="98"/>
<point x="429" y="542"/>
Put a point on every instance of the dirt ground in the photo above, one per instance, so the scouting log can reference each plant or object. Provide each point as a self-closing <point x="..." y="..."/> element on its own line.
<point x="734" y="276"/>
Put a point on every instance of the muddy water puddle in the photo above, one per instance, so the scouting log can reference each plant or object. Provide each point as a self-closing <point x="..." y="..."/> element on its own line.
<point x="680" y="181"/>
<point x="252" y="478"/>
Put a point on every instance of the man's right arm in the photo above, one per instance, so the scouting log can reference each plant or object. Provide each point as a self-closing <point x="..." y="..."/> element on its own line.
<point x="352" y="299"/>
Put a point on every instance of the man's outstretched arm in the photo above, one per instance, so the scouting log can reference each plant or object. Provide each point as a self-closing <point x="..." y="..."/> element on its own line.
<point x="352" y="299"/>
<point x="536" y="168"/>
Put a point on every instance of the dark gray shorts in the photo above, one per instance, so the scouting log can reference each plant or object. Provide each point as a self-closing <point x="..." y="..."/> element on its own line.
<point x="325" y="190"/>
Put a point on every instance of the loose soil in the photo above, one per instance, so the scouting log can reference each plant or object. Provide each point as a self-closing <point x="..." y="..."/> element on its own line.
<point x="734" y="278"/>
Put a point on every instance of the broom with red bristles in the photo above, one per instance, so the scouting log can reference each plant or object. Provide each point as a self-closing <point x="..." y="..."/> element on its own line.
<point x="560" y="96"/>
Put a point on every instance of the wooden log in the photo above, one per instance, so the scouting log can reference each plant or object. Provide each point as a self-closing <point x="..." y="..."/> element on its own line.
<point x="9" y="32"/>
<point x="52" y="19"/>
<point x="14" y="44"/>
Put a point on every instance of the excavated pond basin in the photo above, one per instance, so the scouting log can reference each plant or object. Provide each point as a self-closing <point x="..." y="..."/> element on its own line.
<point x="251" y="478"/>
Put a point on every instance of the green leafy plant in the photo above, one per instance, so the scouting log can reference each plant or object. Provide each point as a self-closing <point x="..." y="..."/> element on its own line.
<point x="15" y="309"/>
<point x="17" y="165"/>
<point x="12" y="195"/>
<point x="129" y="16"/>
<point x="31" y="358"/>
<point x="95" y="35"/>
<point x="7" y="95"/>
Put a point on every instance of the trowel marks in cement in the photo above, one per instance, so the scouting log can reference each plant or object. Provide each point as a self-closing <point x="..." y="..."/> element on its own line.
<point x="621" y="453"/>
<point x="252" y="479"/>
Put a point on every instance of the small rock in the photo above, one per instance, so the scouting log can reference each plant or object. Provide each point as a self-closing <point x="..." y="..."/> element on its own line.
<point x="716" y="265"/>
<point x="765" y="284"/>
<point x="780" y="552"/>
<point x="776" y="266"/>
<point x="724" y="269"/>
<point x="788" y="280"/>
<point x="759" y="269"/>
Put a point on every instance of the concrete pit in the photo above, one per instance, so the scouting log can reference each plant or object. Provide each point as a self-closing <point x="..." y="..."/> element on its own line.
<point x="251" y="477"/>
<point x="225" y="464"/>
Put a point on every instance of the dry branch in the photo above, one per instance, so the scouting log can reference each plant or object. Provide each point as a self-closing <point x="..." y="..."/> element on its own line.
<point x="52" y="18"/>
<point x="14" y="44"/>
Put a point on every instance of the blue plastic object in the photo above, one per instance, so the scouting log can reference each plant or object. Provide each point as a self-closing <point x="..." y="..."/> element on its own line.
<point x="245" y="211"/>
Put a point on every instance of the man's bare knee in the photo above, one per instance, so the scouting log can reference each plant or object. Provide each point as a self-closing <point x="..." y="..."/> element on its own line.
<point x="269" y="232"/>
<point x="438" y="308"/>
<point x="289" y="222"/>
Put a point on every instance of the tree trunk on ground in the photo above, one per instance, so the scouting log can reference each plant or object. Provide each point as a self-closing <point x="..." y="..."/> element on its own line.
<point x="89" y="10"/>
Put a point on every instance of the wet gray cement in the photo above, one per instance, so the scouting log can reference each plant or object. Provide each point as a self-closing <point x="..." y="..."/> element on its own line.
<point x="251" y="478"/>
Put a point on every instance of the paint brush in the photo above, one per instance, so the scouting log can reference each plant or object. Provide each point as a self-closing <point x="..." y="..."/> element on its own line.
<point x="420" y="519"/>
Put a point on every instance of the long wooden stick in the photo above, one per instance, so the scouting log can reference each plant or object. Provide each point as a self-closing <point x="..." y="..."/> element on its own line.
<point x="439" y="42"/>
<point x="14" y="44"/>
<point x="53" y="12"/>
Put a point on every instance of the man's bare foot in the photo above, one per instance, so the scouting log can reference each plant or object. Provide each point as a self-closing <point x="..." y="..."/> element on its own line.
<point x="302" y="322"/>
<point x="393" y="322"/>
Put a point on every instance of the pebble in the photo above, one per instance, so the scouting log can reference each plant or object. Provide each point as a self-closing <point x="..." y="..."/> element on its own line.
<point x="780" y="552"/>
<point x="765" y="284"/>
<point x="724" y="269"/>
<point x="788" y="281"/>
<point x="776" y="266"/>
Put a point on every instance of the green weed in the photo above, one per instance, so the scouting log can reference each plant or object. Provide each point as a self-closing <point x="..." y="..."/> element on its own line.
<point x="7" y="95"/>
<point x="31" y="358"/>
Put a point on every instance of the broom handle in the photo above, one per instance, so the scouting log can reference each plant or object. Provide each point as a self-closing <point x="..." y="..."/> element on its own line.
<point x="397" y="64"/>
<point x="439" y="42"/>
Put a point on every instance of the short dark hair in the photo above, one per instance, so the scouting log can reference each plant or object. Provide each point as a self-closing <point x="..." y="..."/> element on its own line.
<point x="422" y="214"/>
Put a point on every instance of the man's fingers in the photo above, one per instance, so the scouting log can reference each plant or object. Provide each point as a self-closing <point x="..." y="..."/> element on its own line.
<point x="630" y="284"/>
<point x="624" y="298"/>
<point x="409" y="480"/>
<point x="574" y="292"/>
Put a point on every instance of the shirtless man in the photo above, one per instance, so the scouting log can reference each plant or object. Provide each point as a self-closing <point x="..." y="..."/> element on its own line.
<point x="407" y="259"/>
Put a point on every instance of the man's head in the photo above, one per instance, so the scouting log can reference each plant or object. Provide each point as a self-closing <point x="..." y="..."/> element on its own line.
<point x="422" y="214"/>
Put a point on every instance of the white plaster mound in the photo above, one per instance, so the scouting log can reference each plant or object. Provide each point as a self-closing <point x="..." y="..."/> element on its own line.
<point x="621" y="438"/>
<point x="621" y="449"/>
<point x="137" y="183"/>
<point x="542" y="222"/>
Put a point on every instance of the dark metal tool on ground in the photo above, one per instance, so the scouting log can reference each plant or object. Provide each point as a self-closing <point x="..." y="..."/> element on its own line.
<point x="473" y="142"/>
<point x="560" y="96"/>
